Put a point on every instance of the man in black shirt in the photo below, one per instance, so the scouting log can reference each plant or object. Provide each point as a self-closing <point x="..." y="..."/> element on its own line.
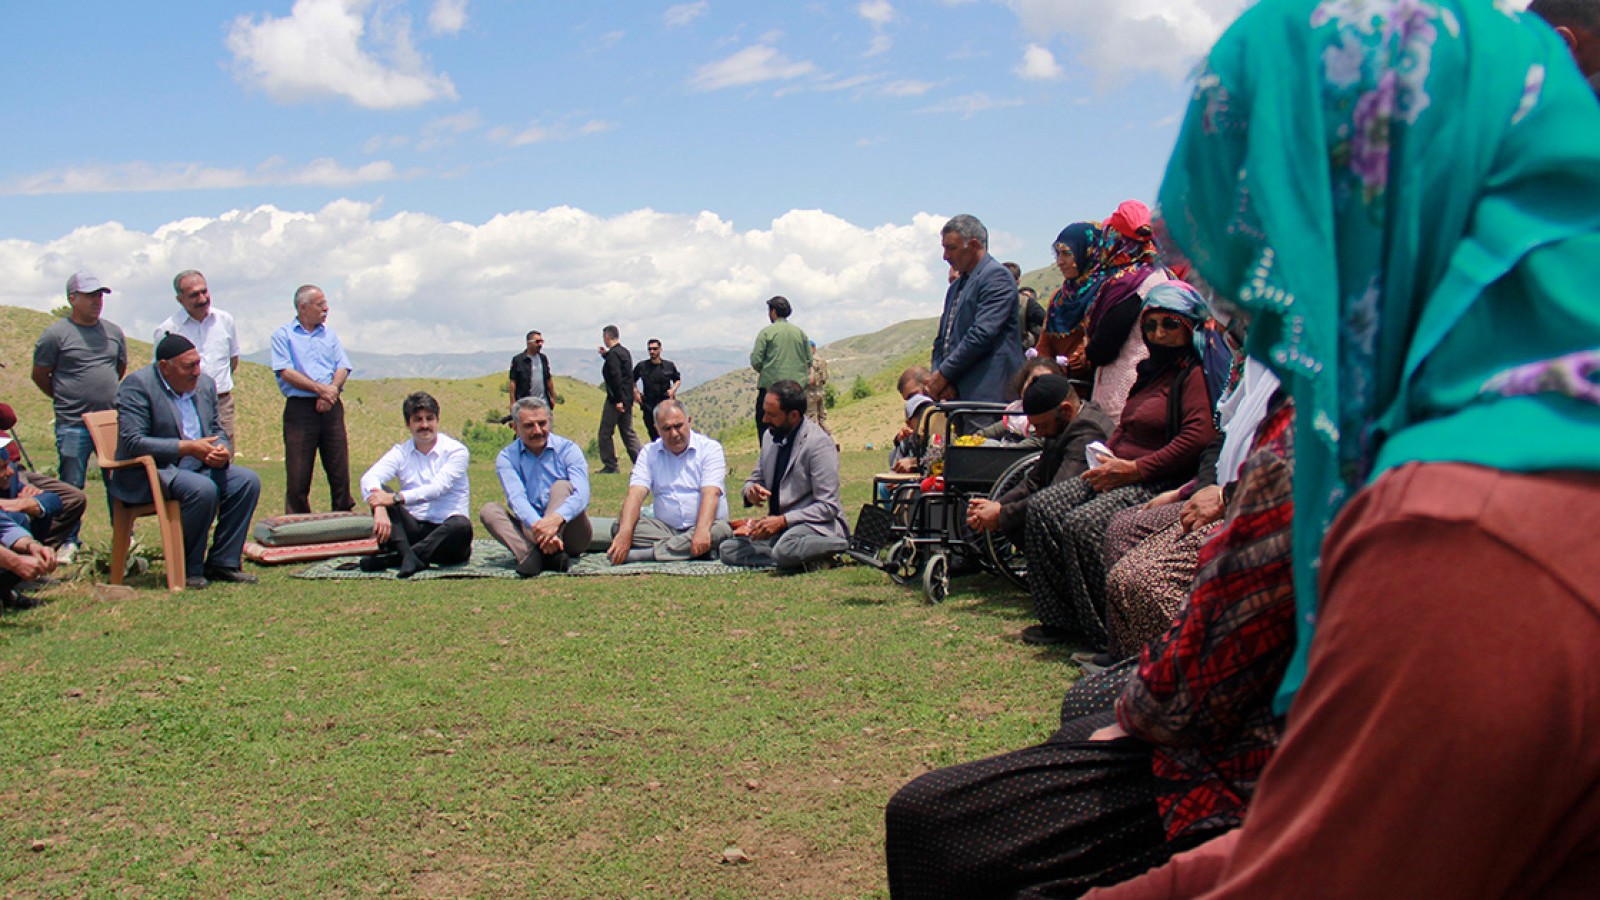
<point x="660" y="378"/>
<point x="531" y="375"/>
<point x="617" y="414"/>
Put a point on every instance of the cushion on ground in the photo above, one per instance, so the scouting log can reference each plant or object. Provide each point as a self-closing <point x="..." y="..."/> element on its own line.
<point x="272" y="556"/>
<point x="313" y="528"/>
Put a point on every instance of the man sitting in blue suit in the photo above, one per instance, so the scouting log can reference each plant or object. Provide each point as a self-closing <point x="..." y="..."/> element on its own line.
<point x="975" y="352"/>
<point x="169" y="411"/>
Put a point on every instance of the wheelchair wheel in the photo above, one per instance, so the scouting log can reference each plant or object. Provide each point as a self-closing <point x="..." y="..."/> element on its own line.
<point x="1007" y="558"/>
<point x="900" y="561"/>
<point x="936" y="578"/>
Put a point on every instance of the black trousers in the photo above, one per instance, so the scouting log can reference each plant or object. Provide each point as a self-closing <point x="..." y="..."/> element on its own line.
<point x="649" y="411"/>
<point x="444" y="543"/>
<point x="761" y="424"/>
<point x="307" y="432"/>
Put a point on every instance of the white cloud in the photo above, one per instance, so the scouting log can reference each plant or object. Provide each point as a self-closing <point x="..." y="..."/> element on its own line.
<point x="539" y="134"/>
<point x="881" y="43"/>
<point x="413" y="282"/>
<point x="752" y="65"/>
<point x="448" y="16"/>
<point x="907" y="87"/>
<point x="878" y="12"/>
<point x="136" y="177"/>
<point x="1115" y="37"/>
<point x="1038" y="64"/>
<point x="322" y="49"/>
<point x="969" y="105"/>
<point x="684" y="13"/>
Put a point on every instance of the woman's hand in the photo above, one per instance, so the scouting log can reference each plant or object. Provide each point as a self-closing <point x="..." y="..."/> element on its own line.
<point x="1112" y="473"/>
<point x="1202" y="509"/>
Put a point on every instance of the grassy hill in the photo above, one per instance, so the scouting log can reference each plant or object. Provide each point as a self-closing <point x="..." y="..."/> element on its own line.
<point x="725" y="406"/>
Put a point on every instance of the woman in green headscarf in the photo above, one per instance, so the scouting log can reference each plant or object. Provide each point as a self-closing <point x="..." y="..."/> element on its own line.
<point x="1405" y="196"/>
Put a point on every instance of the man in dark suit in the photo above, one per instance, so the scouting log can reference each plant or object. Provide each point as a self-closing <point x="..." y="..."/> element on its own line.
<point x="975" y="352"/>
<point x="797" y="479"/>
<point x="169" y="411"/>
<point x="617" y="414"/>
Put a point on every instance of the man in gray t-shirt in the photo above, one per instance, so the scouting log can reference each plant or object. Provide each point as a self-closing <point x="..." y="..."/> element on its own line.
<point x="78" y="363"/>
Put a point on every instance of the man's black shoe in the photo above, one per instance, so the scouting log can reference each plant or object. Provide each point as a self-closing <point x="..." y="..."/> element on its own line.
<point x="607" y="470"/>
<point x="1045" y="635"/>
<point x="195" y="583"/>
<point x="377" y="562"/>
<point x="230" y="576"/>
<point x="410" y="565"/>
<point x="15" y="601"/>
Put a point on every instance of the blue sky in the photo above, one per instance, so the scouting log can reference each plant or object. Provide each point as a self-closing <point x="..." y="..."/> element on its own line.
<point x="457" y="171"/>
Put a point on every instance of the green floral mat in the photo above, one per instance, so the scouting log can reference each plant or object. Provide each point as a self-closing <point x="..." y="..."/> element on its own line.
<point x="490" y="560"/>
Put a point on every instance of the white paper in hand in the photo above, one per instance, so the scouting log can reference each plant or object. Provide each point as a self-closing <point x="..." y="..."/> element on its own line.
<point x="1097" y="453"/>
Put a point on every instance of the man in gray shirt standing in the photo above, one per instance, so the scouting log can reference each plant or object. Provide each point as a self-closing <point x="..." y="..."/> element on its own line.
<point x="77" y="363"/>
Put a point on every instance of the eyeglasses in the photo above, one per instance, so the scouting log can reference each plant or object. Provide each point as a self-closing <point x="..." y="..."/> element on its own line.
<point x="1152" y="324"/>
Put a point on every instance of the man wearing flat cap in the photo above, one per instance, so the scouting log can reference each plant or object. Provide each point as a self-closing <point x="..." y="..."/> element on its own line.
<point x="169" y="411"/>
<point x="1068" y="425"/>
<point x="77" y="364"/>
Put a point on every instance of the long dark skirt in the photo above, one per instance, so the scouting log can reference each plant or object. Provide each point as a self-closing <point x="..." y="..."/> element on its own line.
<point x="1066" y="536"/>
<point x="1049" y="821"/>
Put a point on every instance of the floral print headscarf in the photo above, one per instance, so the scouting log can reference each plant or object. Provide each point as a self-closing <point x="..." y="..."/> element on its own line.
<point x="1402" y="193"/>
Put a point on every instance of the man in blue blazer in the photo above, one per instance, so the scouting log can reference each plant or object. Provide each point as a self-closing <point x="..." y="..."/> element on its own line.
<point x="169" y="411"/>
<point x="975" y="352"/>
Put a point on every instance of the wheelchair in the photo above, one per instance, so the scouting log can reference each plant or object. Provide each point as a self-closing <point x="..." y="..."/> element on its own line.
<point x="915" y="529"/>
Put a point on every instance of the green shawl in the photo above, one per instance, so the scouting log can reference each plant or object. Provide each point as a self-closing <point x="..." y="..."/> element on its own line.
<point x="1405" y="195"/>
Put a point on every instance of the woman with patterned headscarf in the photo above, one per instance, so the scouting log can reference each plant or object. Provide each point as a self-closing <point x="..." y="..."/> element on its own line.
<point x="1167" y="423"/>
<point x="1402" y="193"/>
<point x="1109" y="268"/>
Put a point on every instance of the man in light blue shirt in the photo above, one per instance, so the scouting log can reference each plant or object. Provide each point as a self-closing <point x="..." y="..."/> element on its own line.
<point x="546" y="483"/>
<point x="312" y="367"/>
<point x="684" y="471"/>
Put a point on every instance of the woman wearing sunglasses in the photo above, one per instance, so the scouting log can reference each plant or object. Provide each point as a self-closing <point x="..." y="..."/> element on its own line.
<point x="1165" y="426"/>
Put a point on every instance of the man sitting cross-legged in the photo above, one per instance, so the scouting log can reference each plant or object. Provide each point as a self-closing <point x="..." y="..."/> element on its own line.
<point x="797" y="480"/>
<point x="684" y="471"/>
<point x="546" y="483"/>
<point x="424" y="520"/>
<point x="47" y="508"/>
<point x="168" y="410"/>
<point x="22" y="558"/>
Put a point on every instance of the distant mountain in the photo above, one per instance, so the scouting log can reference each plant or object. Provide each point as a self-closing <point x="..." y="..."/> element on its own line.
<point x="697" y="364"/>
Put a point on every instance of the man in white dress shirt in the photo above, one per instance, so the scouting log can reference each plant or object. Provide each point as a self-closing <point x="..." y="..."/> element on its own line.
<point x="684" y="471"/>
<point x="423" y="521"/>
<point x="213" y="333"/>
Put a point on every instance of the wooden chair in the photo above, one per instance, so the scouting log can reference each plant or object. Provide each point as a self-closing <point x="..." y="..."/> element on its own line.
<point x="103" y="431"/>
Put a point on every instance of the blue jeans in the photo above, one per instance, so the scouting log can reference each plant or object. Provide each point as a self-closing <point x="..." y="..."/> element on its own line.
<point x="73" y="446"/>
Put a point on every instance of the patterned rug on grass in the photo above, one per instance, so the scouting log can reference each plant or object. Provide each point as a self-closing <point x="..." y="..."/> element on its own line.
<point x="490" y="560"/>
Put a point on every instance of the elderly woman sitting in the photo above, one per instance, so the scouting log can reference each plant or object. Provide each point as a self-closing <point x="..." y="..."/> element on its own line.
<point x="1165" y="426"/>
<point x="1150" y="760"/>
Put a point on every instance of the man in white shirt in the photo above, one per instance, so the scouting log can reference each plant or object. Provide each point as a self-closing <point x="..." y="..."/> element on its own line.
<point x="213" y="333"/>
<point x="684" y="471"/>
<point x="424" y="520"/>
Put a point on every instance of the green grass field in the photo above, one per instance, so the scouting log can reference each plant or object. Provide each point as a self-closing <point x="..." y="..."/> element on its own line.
<point x="585" y="737"/>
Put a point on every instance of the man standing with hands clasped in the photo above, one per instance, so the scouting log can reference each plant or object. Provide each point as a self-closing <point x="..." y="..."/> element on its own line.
<point x="312" y="367"/>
